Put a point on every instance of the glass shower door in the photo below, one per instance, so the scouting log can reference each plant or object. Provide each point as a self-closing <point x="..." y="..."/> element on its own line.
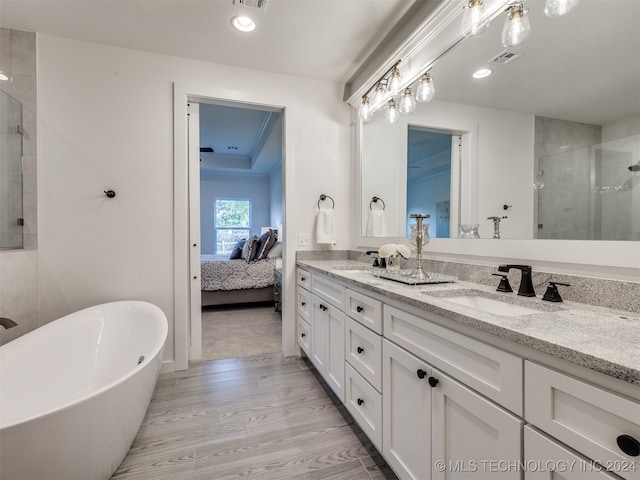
<point x="11" y="217"/>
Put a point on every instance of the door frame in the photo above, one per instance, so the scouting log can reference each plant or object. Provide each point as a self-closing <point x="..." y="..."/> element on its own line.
<point x="183" y="275"/>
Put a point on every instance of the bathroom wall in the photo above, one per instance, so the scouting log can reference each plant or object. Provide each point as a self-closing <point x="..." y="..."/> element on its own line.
<point x="106" y="118"/>
<point x="19" y="268"/>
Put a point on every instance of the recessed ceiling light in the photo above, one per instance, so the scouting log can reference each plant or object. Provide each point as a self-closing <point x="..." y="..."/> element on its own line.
<point x="482" y="73"/>
<point x="244" y="24"/>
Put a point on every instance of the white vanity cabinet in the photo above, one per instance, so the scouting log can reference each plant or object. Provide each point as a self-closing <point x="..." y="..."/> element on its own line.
<point x="322" y="337"/>
<point x="595" y="422"/>
<point x="434" y="427"/>
<point x="363" y="352"/>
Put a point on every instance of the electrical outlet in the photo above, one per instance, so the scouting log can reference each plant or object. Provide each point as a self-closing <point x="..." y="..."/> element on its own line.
<point x="303" y="240"/>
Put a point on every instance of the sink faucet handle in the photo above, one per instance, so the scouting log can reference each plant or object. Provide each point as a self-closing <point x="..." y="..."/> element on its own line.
<point x="504" y="285"/>
<point x="552" y="294"/>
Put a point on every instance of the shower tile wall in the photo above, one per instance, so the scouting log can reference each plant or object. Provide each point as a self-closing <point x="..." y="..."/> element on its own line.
<point x="19" y="268"/>
<point x="564" y="217"/>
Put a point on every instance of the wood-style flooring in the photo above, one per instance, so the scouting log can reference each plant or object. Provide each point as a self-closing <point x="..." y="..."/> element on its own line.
<point x="262" y="417"/>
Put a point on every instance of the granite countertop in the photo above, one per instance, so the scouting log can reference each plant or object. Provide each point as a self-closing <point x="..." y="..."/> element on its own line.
<point x="601" y="339"/>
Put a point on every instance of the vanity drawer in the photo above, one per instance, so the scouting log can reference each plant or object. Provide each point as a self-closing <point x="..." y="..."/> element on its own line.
<point x="488" y="370"/>
<point x="364" y="352"/>
<point x="303" y="278"/>
<point x="328" y="290"/>
<point x="304" y="304"/>
<point x="542" y="451"/>
<point x="365" y="404"/>
<point x="587" y="418"/>
<point x="365" y="310"/>
<point x="304" y="335"/>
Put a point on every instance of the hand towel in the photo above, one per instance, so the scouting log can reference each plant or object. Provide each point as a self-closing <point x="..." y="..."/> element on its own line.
<point x="326" y="226"/>
<point x="376" y="224"/>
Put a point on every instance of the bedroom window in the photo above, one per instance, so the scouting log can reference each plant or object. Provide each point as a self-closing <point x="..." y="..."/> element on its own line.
<point x="233" y="223"/>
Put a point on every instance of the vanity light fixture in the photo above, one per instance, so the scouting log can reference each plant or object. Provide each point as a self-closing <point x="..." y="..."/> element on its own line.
<point x="559" y="8"/>
<point x="516" y="27"/>
<point x="392" y="114"/>
<point x="394" y="82"/>
<point x="482" y="73"/>
<point x="426" y="89"/>
<point x="474" y="18"/>
<point x="407" y="102"/>
<point x="3" y="77"/>
<point x="366" y="111"/>
<point x="379" y="96"/>
<point x="243" y="23"/>
<point x="384" y="88"/>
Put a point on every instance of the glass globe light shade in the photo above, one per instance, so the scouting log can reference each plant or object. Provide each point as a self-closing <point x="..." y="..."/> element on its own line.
<point x="516" y="27"/>
<point x="394" y="82"/>
<point x="474" y="18"/>
<point x="407" y="102"/>
<point x="559" y="8"/>
<point x="426" y="89"/>
<point x="366" y="112"/>
<point x="413" y="237"/>
<point x="392" y="114"/>
<point x="377" y="101"/>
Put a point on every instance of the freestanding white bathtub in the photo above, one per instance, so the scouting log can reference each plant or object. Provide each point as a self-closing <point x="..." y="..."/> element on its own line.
<point x="73" y="393"/>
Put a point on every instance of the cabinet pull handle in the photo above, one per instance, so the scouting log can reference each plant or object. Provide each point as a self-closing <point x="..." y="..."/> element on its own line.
<point x="421" y="373"/>
<point x="359" y="309"/>
<point x="303" y="303"/>
<point x="322" y="307"/>
<point x="360" y="349"/>
<point x="360" y="402"/>
<point x="302" y="279"/>
<point x="629" y="445"/>
<point x="303" y="335"/>
<point x="433" y="381"/>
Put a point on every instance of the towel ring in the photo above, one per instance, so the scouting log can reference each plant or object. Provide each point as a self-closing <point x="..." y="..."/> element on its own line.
<point x="323" y="197"/>
<point x="375" y="200"/>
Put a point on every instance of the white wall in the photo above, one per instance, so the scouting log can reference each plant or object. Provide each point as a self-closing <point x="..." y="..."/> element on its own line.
<point x="106" y="121"/>
<point x="251" y="187"/>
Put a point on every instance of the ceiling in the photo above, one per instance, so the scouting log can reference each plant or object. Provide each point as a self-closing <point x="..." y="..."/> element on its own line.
<point x="584" y="67"/>
<point x="322" y="39"/>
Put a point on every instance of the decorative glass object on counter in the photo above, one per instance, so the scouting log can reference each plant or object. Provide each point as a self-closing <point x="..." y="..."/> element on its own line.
<point x="468" y="231"/>
<point x="419" y="237"/>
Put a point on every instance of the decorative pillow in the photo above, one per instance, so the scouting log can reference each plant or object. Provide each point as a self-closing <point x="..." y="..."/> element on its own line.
<point x="249" y="248"/>
<point x="237" y="250"/>
<point x="276" y="250"/>
<point x="265" y="242"/>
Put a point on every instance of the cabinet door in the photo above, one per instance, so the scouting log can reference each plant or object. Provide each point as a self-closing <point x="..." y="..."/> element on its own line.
<point x="406" y="417"/>
<point x="304" y="335"/>
<point x="319" y="334"/>
<point x="334" y="374"/>
<point x="546" y="459"/>
<point x="472" y="437"/>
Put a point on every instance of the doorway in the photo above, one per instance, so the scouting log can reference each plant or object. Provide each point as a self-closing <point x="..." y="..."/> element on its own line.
<point x="235" y="157"/>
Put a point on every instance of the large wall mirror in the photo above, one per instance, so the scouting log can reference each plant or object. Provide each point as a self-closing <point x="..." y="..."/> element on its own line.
<point x="550" y="140"/>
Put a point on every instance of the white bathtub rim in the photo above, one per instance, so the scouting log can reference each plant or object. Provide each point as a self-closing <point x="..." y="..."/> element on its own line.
<point x="153" y="357"/>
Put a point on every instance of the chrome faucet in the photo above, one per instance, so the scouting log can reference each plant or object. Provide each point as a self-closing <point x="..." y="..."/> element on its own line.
<point x="7" y="322"/>
<point x="526" y="285"/>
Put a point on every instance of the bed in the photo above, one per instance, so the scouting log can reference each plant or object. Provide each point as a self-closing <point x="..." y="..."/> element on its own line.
<point x="247" y="275"/>
<point x="226" y="281"/>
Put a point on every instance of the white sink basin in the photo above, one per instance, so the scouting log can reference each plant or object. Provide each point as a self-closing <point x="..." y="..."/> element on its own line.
<point x="489" y="305"/>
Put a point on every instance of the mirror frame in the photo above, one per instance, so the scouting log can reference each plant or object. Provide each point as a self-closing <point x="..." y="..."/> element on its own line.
<point x="438" y="34"/>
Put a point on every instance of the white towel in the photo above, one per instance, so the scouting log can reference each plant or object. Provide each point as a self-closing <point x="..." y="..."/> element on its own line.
<point x="376" y="224"/>
<point x="326" y="226"/>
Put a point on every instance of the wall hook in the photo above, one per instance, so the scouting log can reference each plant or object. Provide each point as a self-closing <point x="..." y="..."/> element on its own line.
<point x="110" y="193"/>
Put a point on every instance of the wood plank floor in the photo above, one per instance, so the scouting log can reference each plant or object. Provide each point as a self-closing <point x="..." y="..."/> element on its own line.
<point x="262" y="417"/>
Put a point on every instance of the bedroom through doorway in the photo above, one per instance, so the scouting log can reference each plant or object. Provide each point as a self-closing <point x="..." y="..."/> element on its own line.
<point x="241" y="212"/>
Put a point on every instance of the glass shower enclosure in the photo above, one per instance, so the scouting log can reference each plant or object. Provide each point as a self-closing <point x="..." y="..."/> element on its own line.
<point x="11" y="216"/>
<point x="590" y="193"/>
